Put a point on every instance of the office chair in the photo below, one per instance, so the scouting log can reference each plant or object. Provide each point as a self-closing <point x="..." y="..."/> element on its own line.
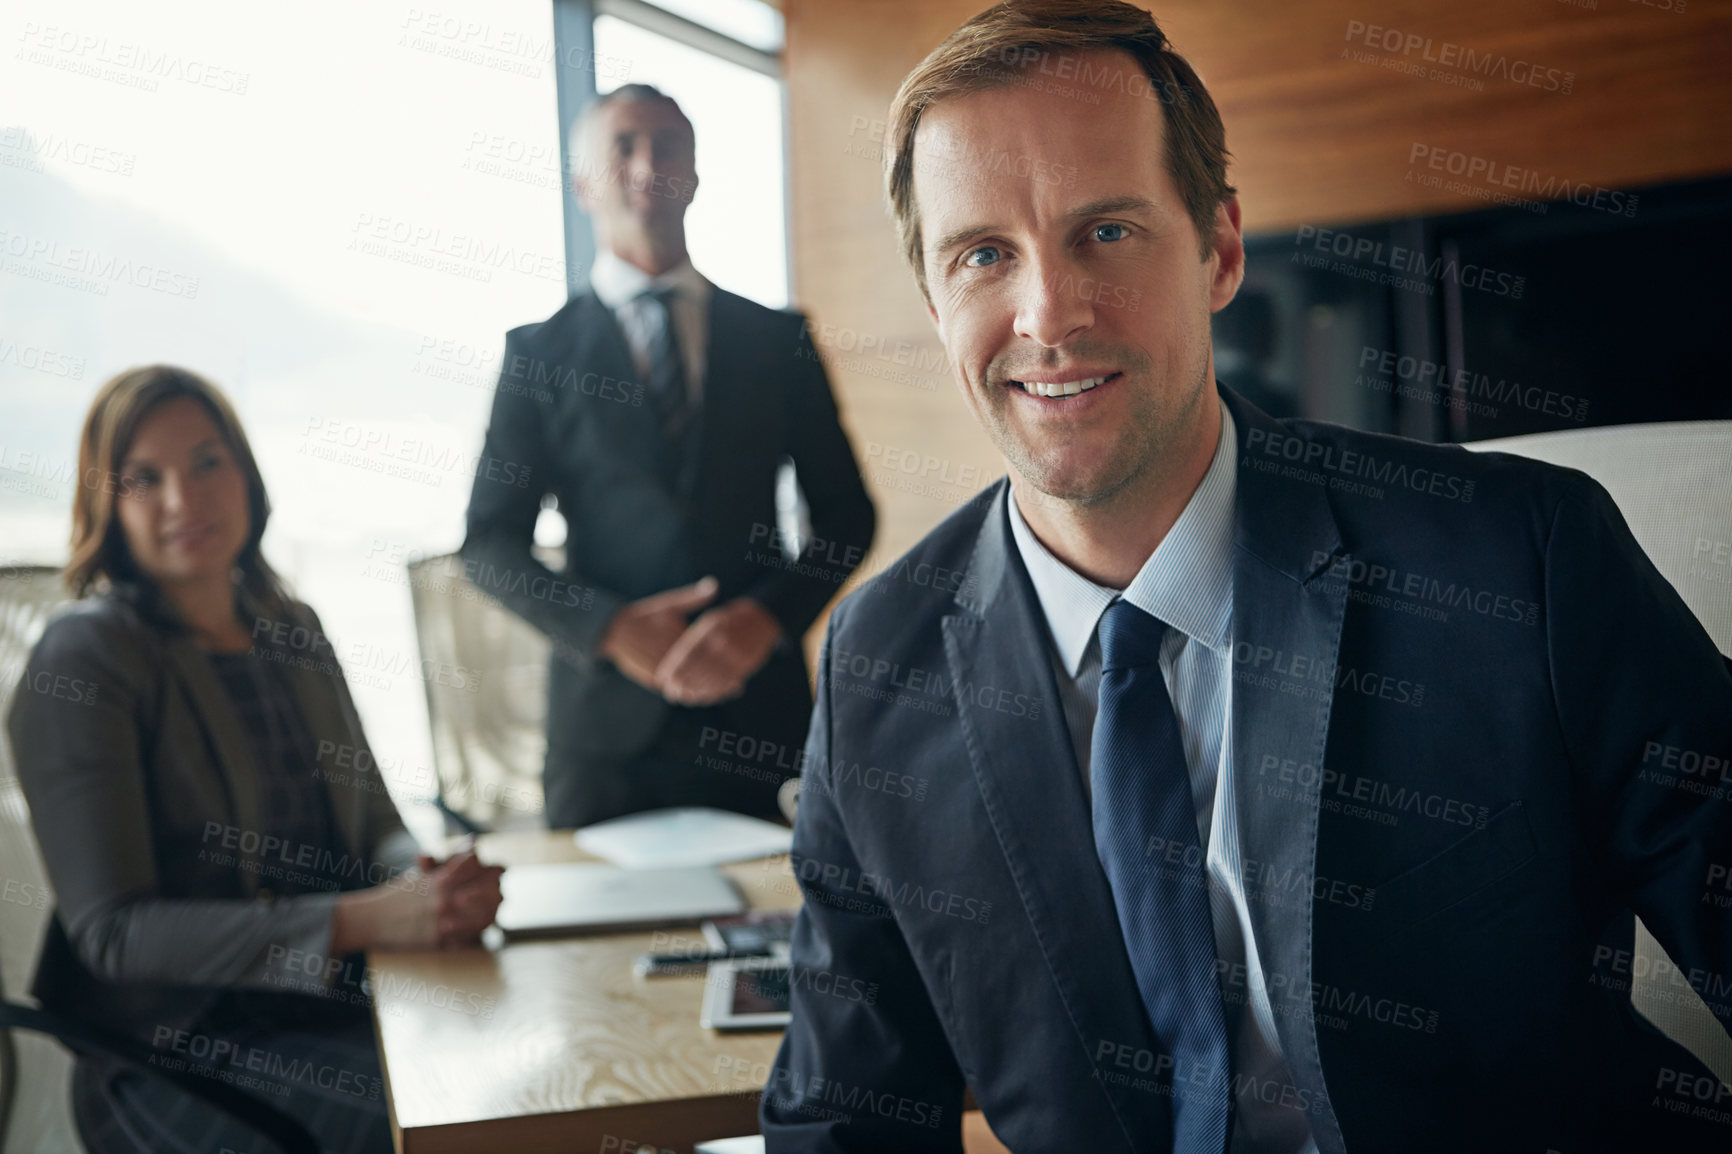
<point x="1673" y="483"/>
<point x="488" y="741"/>
<point x="34" y="1073"/>
<point x="40" y="1119"/>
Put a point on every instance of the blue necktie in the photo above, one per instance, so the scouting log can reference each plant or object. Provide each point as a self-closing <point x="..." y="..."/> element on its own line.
<point x="1145" y="829"/>
<point x="667" y="364"/>
<point x="667" y="382"/>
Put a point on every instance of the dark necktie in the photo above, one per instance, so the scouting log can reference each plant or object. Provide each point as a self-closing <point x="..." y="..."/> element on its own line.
<point x="667" y="375"/>
<point x="1146" y="836"/>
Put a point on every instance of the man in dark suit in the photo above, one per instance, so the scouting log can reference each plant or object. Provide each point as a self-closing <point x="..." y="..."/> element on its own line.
<point x="655" y="410"/>
<point x="1255" y="785"/>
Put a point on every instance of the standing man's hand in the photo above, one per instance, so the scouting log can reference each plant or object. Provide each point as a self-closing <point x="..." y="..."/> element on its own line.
<point x="712" y="660"/>
<point x="640" y="634"/>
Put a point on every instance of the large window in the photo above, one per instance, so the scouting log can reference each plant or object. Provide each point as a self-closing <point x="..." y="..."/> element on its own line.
<point x="334" y="211"/>
<point x="735" y="227"/>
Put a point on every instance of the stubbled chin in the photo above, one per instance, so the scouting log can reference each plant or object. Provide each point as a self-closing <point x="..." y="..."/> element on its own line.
<point x="1069" y="472"/>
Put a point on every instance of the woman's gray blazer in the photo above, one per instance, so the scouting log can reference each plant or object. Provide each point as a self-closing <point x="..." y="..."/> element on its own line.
<point x="145" y="803"/>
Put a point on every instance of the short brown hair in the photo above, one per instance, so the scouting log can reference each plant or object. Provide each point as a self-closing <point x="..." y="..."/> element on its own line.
<point x="991" y="50"/>
<point x="99" y="552"/>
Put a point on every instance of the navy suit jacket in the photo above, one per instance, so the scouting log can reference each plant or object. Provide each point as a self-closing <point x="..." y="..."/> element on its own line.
<point x="1464" y="705"/>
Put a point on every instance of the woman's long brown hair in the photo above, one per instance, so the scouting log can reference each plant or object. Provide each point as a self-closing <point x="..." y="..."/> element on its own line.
<point x="100" y="558"/>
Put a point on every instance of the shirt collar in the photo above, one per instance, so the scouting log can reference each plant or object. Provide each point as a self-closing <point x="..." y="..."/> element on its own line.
<point x="618" y="282"/>
<point x="1186" y="582"/>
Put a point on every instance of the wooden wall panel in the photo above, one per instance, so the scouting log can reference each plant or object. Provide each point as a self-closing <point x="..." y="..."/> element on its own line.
<point x="1318" y="137"/>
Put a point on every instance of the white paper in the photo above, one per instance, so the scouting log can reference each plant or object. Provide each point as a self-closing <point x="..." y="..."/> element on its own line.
<point x="752" y="1145"/>
<point x="686" y="836"/>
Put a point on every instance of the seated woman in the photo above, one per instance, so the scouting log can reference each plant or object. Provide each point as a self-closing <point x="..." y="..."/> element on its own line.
<point x="221" y="844"/>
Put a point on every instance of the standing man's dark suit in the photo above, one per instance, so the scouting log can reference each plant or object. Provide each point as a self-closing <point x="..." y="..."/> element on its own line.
<point x="1461" y="700"/>
<point x="656" y="409"/>
<point x="572" y="417"/>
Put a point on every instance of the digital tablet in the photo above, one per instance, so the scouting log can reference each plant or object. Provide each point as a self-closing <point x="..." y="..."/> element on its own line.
<point x="753" y="932"/>
<point x="746" y="994"/>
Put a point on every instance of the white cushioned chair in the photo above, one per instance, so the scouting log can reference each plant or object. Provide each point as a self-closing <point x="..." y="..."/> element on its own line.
<point x="1673" y="483"/>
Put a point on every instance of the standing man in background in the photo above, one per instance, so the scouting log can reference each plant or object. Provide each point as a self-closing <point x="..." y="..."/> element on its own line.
<point x="655" y="410"/>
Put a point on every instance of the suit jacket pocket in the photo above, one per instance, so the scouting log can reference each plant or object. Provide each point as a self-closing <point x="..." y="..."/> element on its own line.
<point x="1461" y="869"/>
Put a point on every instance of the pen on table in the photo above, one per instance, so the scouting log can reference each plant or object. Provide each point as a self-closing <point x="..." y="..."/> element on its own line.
<point x="687" y="961"/>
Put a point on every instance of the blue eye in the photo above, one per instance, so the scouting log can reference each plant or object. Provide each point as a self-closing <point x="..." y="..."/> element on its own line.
<point x="986" y="250"/>
<point x="1119" y="232"/>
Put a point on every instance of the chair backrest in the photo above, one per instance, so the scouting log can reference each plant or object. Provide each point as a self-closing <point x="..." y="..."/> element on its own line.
<point x="28" y="594"/>
<point x="35" y="1086"/>
<point x="1673" y="483"/>
<point x="490" y="731"/>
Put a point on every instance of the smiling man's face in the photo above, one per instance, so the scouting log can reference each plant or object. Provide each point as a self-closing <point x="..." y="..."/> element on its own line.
<point x="1060" y="259"/>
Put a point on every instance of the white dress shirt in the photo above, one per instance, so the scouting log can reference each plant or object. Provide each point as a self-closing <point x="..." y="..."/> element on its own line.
<point x="618" y="283"/>
<point x="1187" y="583"/>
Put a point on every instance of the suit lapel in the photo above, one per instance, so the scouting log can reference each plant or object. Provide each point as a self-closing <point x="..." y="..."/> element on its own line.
<point x="1285" y="536"/>
<point x="599" y="350"/>
<point x="723" y="416"/>
<point x="228" y="741"/>
<point x="734" y="437"/>
<point x="1030" y="783"/>
<point x="600" y="346"/>
<point x="320" y="706"/>
<point x="316" y="693"/>
<point x="717" y="410"/>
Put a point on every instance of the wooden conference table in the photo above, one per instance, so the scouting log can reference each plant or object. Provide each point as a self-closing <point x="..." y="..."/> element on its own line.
<point x="556" y="1045"/>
